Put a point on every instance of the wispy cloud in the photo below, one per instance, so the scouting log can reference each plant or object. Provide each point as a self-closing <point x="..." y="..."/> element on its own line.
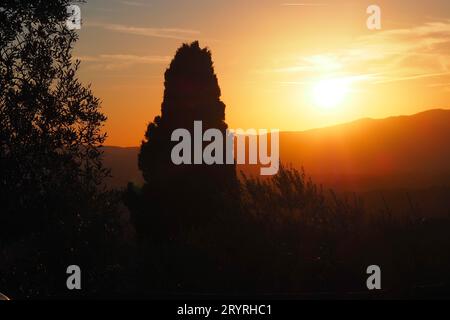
<point x="413" y="77"/>
<point x="168" y="33"/>
<point x="387" y="56"/>
<point x="445" y="84"/>
<point x="343" y="79"/>
<point x="135" y="3"/>
<point x="113" y="62"/>
<point x="303" y="4"/>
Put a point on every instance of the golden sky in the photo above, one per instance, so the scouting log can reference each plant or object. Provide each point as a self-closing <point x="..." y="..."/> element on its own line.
<point x="281" y="64"/>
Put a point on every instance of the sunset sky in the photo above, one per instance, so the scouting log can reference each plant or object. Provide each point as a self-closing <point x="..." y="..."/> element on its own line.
<point x="281" y="64"/>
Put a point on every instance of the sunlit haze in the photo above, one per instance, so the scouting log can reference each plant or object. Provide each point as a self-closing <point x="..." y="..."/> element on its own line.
<point x="280" y="65"/>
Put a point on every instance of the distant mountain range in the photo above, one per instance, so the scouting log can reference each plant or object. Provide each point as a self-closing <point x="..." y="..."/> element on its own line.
<point x="368" y="154"/>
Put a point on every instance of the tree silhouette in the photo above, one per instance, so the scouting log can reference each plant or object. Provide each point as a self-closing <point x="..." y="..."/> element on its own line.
<point x="50" y="124"/>
<point x="52" y="211"/>
<point x="186" y="194"/>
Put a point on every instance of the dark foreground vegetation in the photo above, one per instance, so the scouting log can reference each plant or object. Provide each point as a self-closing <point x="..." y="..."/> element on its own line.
<point x="186" y="231"/>
<point x="287" y="237"/>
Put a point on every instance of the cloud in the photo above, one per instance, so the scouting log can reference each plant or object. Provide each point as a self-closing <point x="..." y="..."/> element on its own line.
<point x="303" y="4"/>
<point x="387" y="56"/>
<point x="135" y="4"/>
<point x="314" y="63"/>
<point x="445" y="84"/>
<point x="167" y="33"/>
<point x="113" y="62"/>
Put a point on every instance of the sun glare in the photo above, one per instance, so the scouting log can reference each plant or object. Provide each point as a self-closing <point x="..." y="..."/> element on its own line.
<point x="330" y="93"/>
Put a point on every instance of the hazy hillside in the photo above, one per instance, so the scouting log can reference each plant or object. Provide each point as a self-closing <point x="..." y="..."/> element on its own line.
<point x="123" y="165"/>
<point x="398" y="152"/>
<point x="406" y="151"/>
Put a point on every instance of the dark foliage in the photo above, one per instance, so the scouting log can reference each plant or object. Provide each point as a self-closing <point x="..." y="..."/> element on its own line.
<point x="191" y="94"/>
<point x="53" y="213"/>
<point x="289" y="238"/>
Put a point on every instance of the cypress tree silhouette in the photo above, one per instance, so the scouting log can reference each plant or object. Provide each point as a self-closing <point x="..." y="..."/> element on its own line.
<point x="184" y="195"/>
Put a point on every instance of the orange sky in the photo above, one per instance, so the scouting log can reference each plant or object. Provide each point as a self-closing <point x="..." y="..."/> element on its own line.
<point x="275" y="60"/>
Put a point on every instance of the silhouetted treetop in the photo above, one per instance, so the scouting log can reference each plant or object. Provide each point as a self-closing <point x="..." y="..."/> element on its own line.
<point x="15" y="15"/>
<point x="191" y="88"/>
<point x="191" y="93"/>
<point x="53" y="208"/>
<point x="50" y="123"/>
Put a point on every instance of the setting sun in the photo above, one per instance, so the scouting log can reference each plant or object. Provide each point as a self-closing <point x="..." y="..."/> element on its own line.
<point x="330" y="93"/>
